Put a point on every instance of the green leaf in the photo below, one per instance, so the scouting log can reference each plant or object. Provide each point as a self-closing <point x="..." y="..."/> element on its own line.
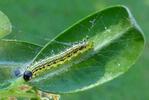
<point x="117" y="43"/>
<point x="14" y="56"/>
<point x="5" y="25"/>
<point x="39" y="22"/>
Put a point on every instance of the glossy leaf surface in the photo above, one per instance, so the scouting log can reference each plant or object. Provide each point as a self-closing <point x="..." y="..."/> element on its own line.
<point x="117" y="44"/>
<point x="5" y="25"/>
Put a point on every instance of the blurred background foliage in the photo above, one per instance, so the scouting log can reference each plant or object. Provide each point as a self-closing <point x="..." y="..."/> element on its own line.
<point x="41" y="20"/>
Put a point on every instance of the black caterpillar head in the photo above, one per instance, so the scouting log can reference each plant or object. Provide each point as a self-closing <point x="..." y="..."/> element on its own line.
<point x="27" y="75"/>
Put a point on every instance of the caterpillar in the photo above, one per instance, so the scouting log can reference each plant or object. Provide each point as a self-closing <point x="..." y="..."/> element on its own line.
<point x="58" y="59"/>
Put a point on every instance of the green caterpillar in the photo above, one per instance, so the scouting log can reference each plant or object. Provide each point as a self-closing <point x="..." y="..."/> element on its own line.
<point x="54" y="61"/>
